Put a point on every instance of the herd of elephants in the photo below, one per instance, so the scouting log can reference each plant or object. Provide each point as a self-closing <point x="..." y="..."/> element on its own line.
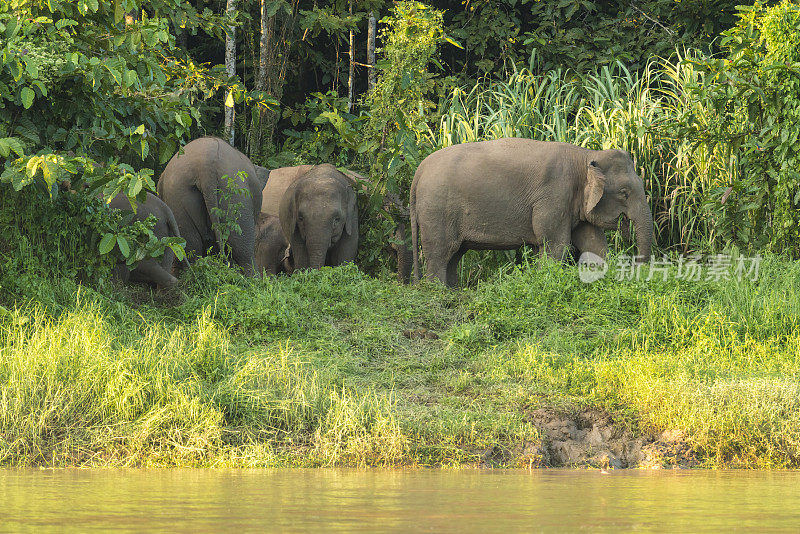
<point x="498" y="194"/>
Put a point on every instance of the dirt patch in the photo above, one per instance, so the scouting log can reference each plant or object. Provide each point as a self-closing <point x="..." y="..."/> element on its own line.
<point x="670" y="450"/>
<point x="420" y="333"/>
<point x="590" y="438"/>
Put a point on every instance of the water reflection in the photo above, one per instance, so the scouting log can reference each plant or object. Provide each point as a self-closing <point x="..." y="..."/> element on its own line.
<point x="420" y="500"/>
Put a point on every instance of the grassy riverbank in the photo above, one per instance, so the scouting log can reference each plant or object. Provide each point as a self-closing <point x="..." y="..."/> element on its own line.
<point x="337" y="368"/>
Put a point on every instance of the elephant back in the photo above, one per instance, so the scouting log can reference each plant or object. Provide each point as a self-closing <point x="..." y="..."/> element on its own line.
<point x="279" y="181"/>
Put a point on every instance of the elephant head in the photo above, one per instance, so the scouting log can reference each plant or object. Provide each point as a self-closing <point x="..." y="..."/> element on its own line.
<point x="319" y="217"/>
<point x="613" y="189"/>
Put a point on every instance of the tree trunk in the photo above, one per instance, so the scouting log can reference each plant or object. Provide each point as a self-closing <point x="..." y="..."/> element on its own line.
<point x="372" y="28"/>
<point x="351" y="72"/>
<point x="272" y="65"/>
<point x="254" y="141"/>
<point x="230" y="68"/>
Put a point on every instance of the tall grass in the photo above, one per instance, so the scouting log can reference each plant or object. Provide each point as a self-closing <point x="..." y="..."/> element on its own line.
<point x="79" y="390"/>
<point x="334" y="367"/>
<point x="613" y="108"/>
<point x="715" y="362"/>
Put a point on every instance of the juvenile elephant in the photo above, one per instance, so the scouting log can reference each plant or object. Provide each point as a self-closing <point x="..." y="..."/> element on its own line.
<point x="319" y="217"/>
<point x="504" y="193"/>
<point x="151" y="270"/>
<point x="195" y="185"/>
<point x="267" y="243"/>
<point x="272" y="248"/>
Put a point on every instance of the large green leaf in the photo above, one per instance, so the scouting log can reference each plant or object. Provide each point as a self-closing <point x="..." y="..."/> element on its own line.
<point x="122" y="243"/>
<point x="107" y="243"/>
<point x="26" y="95"/>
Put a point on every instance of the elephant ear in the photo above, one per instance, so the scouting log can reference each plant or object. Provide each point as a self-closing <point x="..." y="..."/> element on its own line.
<point x="595" y="184"/>
<point x="352" y="212"/>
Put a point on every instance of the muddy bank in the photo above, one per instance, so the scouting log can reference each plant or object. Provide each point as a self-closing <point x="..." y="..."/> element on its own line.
<point x="591" y="438"/>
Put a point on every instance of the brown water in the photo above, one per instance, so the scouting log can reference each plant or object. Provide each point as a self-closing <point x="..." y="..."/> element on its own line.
<point x="180" y="500"/>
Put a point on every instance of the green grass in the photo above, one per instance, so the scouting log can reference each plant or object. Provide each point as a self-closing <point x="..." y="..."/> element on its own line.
<point x="334" y="368"/>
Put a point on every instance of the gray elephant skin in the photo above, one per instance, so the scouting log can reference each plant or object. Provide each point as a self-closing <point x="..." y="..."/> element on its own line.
<point x="319" y="217"/>
<point x="270" y="247"/>
<point x="151" y="271"/>
<point x="194" y="186"/>
<point x="504" y="193"/>
<point x="272" y="252"/>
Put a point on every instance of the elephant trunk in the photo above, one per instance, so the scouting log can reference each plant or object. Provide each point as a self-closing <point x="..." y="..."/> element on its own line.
<point x="643" y="225"/>
<point x="317" y="251"/>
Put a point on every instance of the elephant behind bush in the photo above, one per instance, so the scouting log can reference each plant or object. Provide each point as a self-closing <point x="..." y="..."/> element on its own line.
<point x="151" y="270"/>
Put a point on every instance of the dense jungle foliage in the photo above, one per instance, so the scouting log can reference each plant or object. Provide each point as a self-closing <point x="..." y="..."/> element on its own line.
<point x="95" y="97"/>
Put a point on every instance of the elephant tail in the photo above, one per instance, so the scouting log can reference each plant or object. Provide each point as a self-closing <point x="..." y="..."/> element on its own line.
<point x="211" y="199"/>
<point x="172" y="224"/>
<point x="412" y="209"/>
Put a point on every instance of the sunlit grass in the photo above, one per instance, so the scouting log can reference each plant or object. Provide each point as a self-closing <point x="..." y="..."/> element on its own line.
<point x="328" y="368"/>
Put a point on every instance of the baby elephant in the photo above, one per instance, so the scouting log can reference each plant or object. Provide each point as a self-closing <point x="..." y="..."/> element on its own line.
<point x="319" y="217"/>
<point x="272" y="249"/>
<point x="151" y="271"/>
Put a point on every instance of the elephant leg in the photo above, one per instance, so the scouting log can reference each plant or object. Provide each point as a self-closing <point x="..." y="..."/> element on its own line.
<point x="554" y="235"/>
<point x="151" y="271"/>
<point x="587" y="237"/>
<point x="167" y="262"/>
<point x="440" y="242"/>
<point x="193" y="222"/>
<point x="242" y="247"/>
<point x="194" y="245"/>
<point x="452" y="268"/>
<point x="556" y="248"/>
<point x="437" y="261"/>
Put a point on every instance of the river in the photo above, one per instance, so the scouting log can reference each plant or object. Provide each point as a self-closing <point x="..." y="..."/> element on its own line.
<point x="291" y="500"/>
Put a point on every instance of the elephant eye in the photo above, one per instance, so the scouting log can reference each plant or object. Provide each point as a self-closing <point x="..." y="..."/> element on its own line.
<point x="625" y="193"/>
<point x="300" y="218"/>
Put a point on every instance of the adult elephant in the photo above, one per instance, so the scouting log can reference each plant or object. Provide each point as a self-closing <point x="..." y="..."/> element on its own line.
<point x="195" y="185"/>
<point x="151" y="270"/>
<point x="504" y="193"/>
